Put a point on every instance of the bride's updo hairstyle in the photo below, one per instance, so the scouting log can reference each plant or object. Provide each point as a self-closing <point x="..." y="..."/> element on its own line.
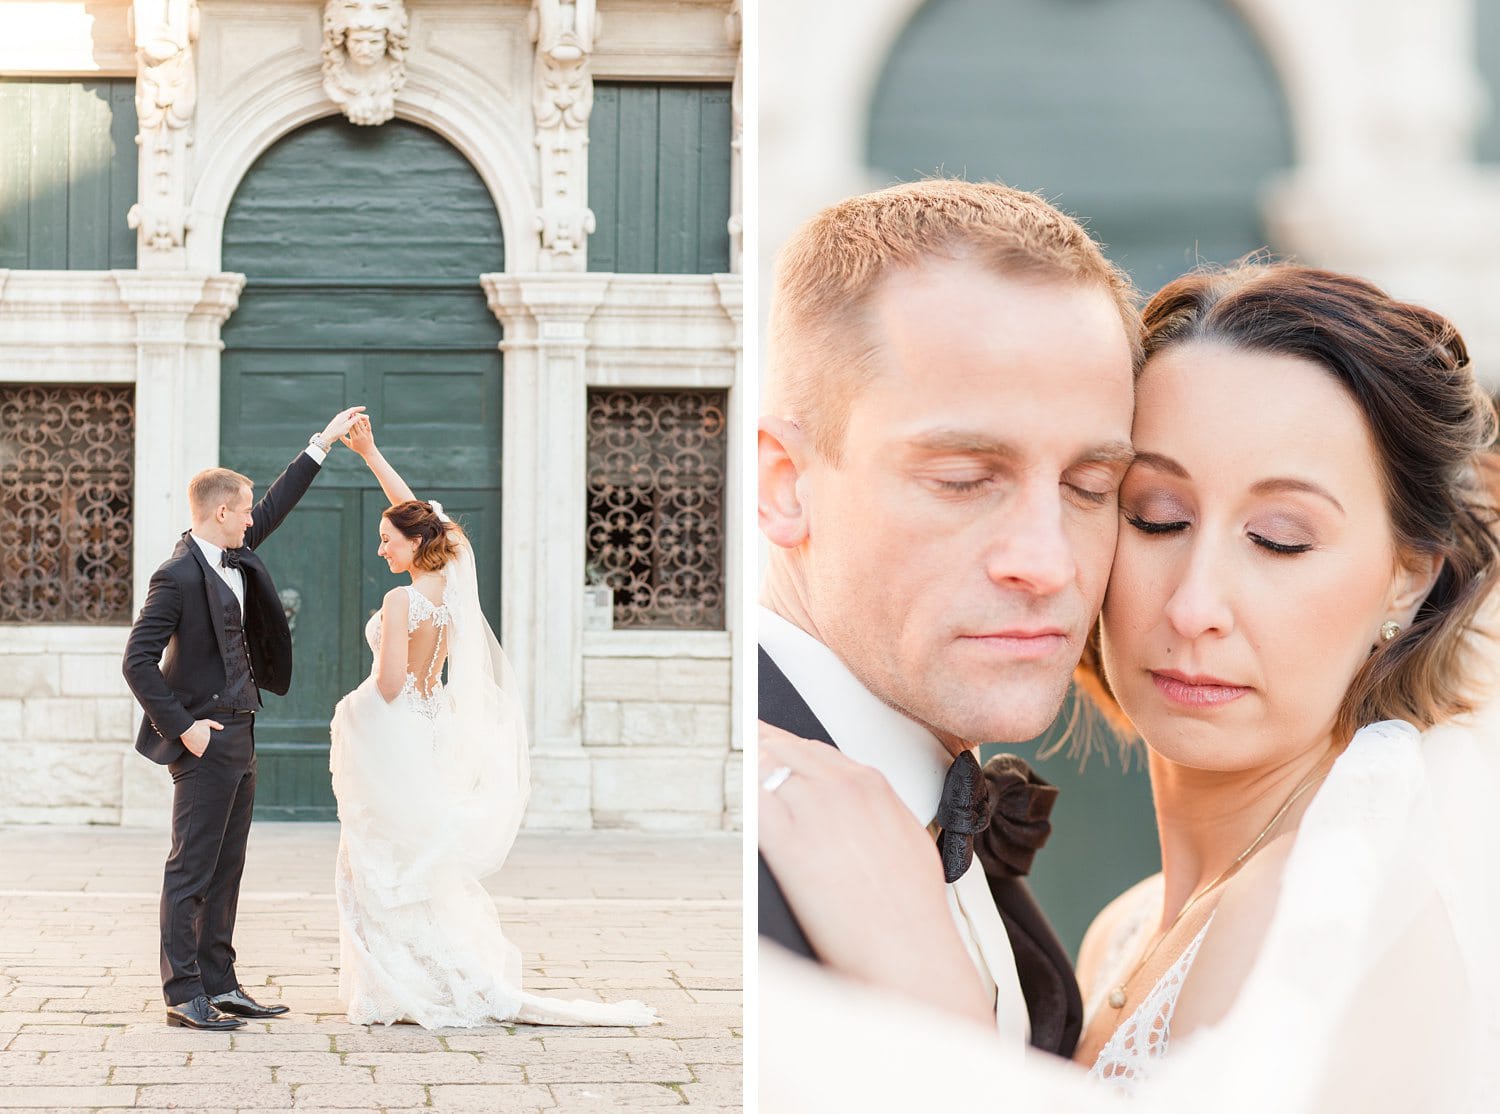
<point x="437" y="541"/>
<point x="1433" y="430"/>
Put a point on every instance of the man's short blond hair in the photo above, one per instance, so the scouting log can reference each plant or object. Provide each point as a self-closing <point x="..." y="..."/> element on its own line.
<point x="822" y="349"/>
<point x="213" y="487"/>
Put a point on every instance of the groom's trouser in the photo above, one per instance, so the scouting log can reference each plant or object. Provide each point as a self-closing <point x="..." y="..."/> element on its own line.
<point x="211" y="803"/>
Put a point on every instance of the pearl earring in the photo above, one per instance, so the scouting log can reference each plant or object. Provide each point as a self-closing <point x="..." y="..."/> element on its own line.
<point x="1389" y="630"/>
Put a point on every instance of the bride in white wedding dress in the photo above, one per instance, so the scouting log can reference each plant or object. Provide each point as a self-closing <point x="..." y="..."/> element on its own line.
<point x="431" y="780"/>
<point x="1300" y="625"/>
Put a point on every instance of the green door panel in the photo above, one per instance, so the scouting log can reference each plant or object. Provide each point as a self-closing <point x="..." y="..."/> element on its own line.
<point x="1159" y="124"/>
<point x="393" y="202"/>
<point x="362" y="250"/>
<point x="68" y="165"/>
<point x="659" y="178"/>
<point x="309" y="556"/>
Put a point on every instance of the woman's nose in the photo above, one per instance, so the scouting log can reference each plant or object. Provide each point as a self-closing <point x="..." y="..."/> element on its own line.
<point x="1200" y="603"/>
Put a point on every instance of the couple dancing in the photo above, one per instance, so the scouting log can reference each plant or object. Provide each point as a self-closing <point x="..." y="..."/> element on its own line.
<point x="1257" y="513"/>
<point x="431" y="776"/>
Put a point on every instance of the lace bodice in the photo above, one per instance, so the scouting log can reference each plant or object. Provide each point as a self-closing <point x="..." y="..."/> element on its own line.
<point x="423" y="695"/>
<point x="1143" y="1036"/>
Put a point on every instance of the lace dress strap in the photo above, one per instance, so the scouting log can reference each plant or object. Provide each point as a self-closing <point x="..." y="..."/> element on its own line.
<point x="1125" y="1060"/>
<point x="423" y="695"/>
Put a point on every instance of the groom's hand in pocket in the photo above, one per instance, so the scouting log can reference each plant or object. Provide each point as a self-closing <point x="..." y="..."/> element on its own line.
<point x="196" y="737"/>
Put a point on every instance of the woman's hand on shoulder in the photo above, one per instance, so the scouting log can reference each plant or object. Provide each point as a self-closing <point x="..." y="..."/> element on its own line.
<point x="862" y="875"/>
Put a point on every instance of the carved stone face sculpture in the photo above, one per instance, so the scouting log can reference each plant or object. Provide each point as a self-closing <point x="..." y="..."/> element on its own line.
<point x="364" y="57"/>
<point x="365" y="48"/>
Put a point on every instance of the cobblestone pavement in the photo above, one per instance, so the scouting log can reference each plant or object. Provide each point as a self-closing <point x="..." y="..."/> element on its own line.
<point x="596" y="914"/>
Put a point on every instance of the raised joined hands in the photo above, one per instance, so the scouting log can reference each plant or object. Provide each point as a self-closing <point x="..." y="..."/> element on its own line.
<point x="361" y="436"/>
<point x="339" y="424"/>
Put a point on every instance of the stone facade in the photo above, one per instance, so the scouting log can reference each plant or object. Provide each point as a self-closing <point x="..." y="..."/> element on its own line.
<point x="501" y="83"/>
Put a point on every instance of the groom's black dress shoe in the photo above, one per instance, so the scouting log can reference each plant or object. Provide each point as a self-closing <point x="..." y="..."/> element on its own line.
<point x="236" y="1001"/>
<point x="200" y="1014"/>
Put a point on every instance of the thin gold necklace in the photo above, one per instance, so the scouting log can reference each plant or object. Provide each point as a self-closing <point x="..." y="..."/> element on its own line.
<point x="1316" y="774"/>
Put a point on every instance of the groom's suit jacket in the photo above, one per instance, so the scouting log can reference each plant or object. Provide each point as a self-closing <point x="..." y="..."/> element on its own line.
<point x="1048" y="984"/>
<point x="184" y="616"/>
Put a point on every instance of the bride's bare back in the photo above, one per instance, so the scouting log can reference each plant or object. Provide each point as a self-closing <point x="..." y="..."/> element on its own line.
<point x="427" y="636"/>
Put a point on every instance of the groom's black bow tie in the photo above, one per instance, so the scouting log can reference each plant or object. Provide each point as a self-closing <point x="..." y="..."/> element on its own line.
<point x="231" y="558"/>
<point x="962" y="814"/>
<point x="1004" y="806"/>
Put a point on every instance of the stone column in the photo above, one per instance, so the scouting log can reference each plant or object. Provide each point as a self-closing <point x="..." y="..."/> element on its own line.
<point x="166" y="95"/>
<point x="562" y="99"/>
<point x="178" y="315"/>
<point x="732" y="301"/>
<point x="545" y="320"/>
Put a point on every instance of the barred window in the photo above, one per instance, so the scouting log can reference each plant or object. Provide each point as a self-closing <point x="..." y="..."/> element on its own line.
<point x="67" y="471"/>
<point x="655" y="532"/>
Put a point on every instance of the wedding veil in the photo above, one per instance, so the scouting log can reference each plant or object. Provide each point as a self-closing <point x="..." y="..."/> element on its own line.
<point x="484" y="754"/>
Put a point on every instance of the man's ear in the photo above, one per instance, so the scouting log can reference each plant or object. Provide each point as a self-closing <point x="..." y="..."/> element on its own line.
<point x="1415" y="576"/>
<point x="782" y="451"/>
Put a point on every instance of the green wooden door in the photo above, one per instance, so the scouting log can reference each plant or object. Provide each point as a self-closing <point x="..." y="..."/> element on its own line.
<point x="67" y="173"/>
<point x="659" y="178"/>
<point x="362" y="250"/>
<point x="1157" y="121"/>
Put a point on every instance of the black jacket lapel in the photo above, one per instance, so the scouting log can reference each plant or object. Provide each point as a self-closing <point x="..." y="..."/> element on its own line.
<point x="1053" y="1002"/>
<point x="215" y="608"/>
<point x="782" y="706"/>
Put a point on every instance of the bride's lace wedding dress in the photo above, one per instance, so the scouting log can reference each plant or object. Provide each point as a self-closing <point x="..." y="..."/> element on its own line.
<point x="431" y="788"/>
<point x="1144" y="1035"/>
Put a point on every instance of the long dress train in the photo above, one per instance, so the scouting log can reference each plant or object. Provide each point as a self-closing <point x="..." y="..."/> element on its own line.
<point x="431" y="788"/>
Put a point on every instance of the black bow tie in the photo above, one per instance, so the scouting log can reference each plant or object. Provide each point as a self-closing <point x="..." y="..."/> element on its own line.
<point x="1005" y="807"/>
<point x="231" y="558"/>
<point x="963" y="812"/>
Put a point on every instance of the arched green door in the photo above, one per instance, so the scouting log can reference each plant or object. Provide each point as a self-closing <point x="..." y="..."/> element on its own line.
<point x="1157" y="122"/>
<point x="362" y="250"/>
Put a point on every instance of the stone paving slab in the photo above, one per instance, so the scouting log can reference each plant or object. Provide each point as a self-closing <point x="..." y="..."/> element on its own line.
<point x="601" y="915"/>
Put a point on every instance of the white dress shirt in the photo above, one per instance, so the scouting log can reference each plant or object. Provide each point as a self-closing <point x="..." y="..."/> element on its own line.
<point x="232" y="577"/>
<point x="915" y="763"/>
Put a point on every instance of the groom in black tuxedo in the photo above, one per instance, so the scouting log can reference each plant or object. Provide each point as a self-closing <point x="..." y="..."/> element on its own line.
<point x="212" y="608"/>
<point x="948" y="401"/>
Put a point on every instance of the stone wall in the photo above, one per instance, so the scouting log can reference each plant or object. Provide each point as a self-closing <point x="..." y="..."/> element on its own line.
<point x="657" y="729"/>
<point x="64" y="710"/>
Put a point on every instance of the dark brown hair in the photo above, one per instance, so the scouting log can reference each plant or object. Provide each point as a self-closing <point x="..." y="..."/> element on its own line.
<point x="1433" y="428"/>
<point x="437" y="541"/>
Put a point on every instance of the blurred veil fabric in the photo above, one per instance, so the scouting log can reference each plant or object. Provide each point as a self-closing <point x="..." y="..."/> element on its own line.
<point x="429" y="803"/>
<point x="1377" y="987"/>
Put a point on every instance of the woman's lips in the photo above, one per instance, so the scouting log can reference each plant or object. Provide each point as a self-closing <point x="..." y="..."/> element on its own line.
<point x="1196" y="692"/>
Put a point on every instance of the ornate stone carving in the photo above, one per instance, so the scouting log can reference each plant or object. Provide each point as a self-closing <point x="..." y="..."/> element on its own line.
<point x="364" y="57"/>
<point x="166" y="83"/>
<point x="562" y="98"/>
<point x="166" y="94"/>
